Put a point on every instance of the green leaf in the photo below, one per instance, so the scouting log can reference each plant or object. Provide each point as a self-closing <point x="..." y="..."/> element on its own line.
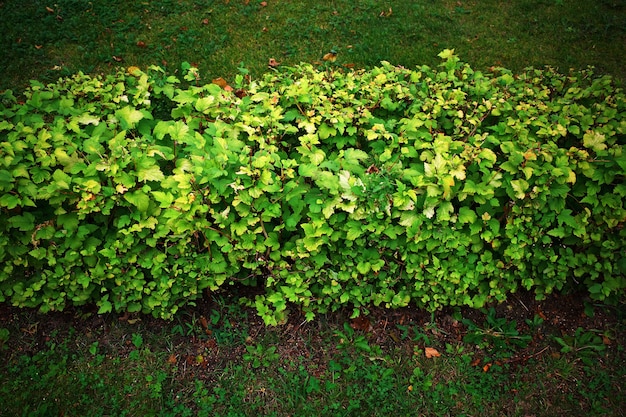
<point x="148" y="171"/>
<point x="594" y="140"/>
<point x="139" y="199"/>
<point x="128" y="117"/>
<point x="61" y="179"/>
<point x="467" y="215"/>
<point x="24" y="222"/>
<point x="325" y="131"/>
<point x="105" y="306"/>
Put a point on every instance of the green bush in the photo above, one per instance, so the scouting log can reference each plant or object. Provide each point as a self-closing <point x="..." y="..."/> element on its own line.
<point x="440" y="187"/>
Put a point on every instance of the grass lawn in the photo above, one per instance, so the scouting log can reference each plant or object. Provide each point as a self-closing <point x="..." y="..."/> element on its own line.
<point x="45" y="41"/>
<point x="561" y="356"/>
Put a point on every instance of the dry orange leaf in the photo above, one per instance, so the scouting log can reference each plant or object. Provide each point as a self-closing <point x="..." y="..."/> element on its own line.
<point x="172" y="359"/>
<point x="220" y="81"/>
<point x="49" y="9"/>
<point x="263" y="3"/>
<point x="431" y="352"/>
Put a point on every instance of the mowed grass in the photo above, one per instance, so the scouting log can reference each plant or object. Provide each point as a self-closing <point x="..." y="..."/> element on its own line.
<point x="44" y="41"/>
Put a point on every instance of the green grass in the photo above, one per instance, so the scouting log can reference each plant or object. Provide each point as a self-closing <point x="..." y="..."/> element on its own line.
<point x="219" y="35"/>
<point x="227" y="363"/>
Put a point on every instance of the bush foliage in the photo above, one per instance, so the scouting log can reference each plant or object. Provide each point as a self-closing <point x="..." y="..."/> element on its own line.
<point x="447" y="186"/>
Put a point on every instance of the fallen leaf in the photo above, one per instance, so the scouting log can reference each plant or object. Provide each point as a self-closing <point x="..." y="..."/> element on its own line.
<point x="431" y="352"/>
<point x="49" y="9"/>
<point x="203" y="322"/>
<point x="330" y="56"/>
<point x="117" y="58"/>
<point x="361" y="323"/>
<point x="141" y="44"/>
<point x="273" y="63"/>
<point x="263" y="3"/>
<point x="487" y="367"/>
<point x="205" y="21"/>
<point x="38" y="46"/>
<point x="475" y="362"/>
<point x="172" y="359"/>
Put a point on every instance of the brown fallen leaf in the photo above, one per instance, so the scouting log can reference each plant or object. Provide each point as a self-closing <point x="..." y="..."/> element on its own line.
<point x="141" y="44"/>
<point x="361" y="323"/>
<point x="273" y="63"/>
<point x="117" y="58"/>
<point x="38" y="46"/>
<point x="431" y="352"/>
<point x="330" y="56"/>
<point x="172" y="359"/>
<point x="263" y="4"/>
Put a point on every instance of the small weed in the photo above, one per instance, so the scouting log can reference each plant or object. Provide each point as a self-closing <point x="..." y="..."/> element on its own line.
<point x="4" y="336"/>
<point x="582" y="343"/>
<point x="260" y="356"/>
<point x="496" y="333"/>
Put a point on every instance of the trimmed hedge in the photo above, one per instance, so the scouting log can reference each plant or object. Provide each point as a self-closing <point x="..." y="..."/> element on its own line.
<point x="392" y="186"/>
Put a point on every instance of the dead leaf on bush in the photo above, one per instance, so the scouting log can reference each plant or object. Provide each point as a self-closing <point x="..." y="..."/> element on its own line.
<point x="220" y="81"/>
<point x="431" y="352"/>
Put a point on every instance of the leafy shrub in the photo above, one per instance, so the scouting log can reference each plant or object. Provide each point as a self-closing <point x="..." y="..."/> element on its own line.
<point x="438" y="186"/>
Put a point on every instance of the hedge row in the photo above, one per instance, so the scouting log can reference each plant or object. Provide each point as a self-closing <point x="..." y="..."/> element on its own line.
<point x="391" y="186"/>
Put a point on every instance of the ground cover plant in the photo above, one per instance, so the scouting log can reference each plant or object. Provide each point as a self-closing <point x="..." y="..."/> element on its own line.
<point x="560" y="355"/>
<point x="522" y="358"/>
